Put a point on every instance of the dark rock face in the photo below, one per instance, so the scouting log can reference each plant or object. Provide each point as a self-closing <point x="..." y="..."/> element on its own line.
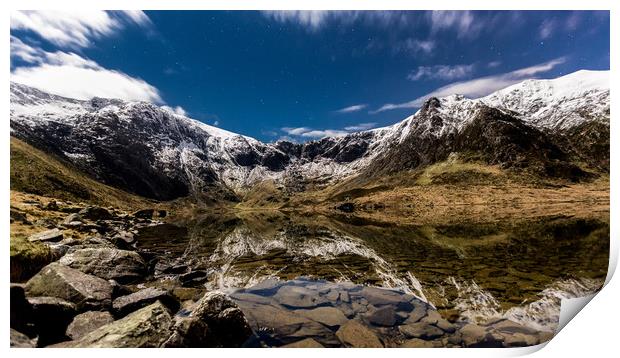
<point x="87" y="322"/>
<point x="21" y="310"/>
<point x="51" y="316"/>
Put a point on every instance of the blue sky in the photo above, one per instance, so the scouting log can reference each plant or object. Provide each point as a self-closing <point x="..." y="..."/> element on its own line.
<point x="299" y="75"/>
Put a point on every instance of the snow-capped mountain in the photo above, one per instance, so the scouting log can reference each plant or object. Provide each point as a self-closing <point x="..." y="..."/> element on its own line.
<point x="154" y="152"/>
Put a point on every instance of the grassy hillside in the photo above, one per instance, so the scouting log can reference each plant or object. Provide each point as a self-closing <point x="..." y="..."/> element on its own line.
<point x="36" y="172"/>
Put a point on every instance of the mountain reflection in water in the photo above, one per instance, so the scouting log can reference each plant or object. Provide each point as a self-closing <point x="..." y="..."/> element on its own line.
<point x="470" y="272"/>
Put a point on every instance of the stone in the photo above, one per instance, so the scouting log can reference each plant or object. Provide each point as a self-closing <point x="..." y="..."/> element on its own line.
<point x="298" y="297"/>
<point x="381" y="297"/>
<point x="122" y="266"/>
<point x="353" y="334"/>
<point x="192" y="278"/>
<point x="190" y="332"/>
<point x="418" y="312"/>
<point x="86" y="291"/>
<point x="51" y="205"/>
<point x="508" y="326"/>
<point x="148" y="327"/>
<point x="265" y="287"/>
<point x="46" y="222"/>
<point x="53" y="235"/>
<point x="144" y="213"/>
<point x="328" y="316"/>
<point x="123" y="239"/>
<point x="134" y="301"/>
<point x="95" y="213"/>
<point x="304" y="343"/>
<point x="224" y="318"/>
<point x="21" y="310"/>
<point x="344" y="297"/>
<point x="71" y="218"/>
<point x="87" y="322"/>
<point x="421" y="330"/>
<point x="278" y="320"/>
<point x="332" y="295"/>
<point x="384" y="316"/>
<point x="27" y="258"/>
<point x="476" y="336"/>
<point x="20" y="340"/>
<point x="519" y="340"/>
<point x="19" y="217"/>
<point x="51" y="317"/>
<point x="445" y="325"/>
<point x="418" y="343"/>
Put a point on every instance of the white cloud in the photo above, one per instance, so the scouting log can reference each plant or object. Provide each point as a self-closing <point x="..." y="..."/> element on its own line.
<point x="480" y="86"/>
<point x="463" y="22"/>
<point x="312" y="19"/>
<point x="322" y="133"/>
<point x="416" y="46"/>
<point x="216" y="123"/>
<point x="178" y="110"/>
<point x="315" y="19"/>
<point x="361" y="127"/>
<point x="70" y="75"/>
<point x="75" y="29"/>
<point x="441" y="72"/>
<point x="494" y="64"/>
<point x="354" y="108"/>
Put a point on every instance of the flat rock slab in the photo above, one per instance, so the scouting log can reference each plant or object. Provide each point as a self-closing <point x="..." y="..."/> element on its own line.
<point x="354" y="334"/>
<point x="85" y="291"/>
<point x="421" y="330"/>
<point x="328" y="316"/>
<point x="53" y="235"/>
<point x="124" y="305"/>
<point x="87" y="322"/>
<point x="384" y="316"/>
<point x="298" y="297"/>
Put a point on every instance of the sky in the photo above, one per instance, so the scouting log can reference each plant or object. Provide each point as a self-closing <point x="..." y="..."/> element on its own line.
<point x="299" y="75"/>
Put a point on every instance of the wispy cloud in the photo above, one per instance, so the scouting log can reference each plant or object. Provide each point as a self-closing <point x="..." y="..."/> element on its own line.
<point x="441" y="72"/>
<point x="313" y="20"/>
<point x="354" y="108"/>
<point x="178" y="110"/>
<point x="480" y="86"/>
<point x="361" y="127"/>
<point x="311" y="133"/>
<point x="76" y="29"/>
<point x="463" y="23"/>
<point x="415" y="46"/>
<point x="494" y="64"/>
<point x="546" y="29"/>
<point x="71" y="75"/>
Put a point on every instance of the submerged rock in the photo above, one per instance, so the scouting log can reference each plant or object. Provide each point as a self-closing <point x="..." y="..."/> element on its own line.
<point x="109" y="263"/>
<point x="300" y="297"/>
<point x="87" y="322"/>
<point x="148" y="327"/>
<point x="353" y="334"/>
<point x="328" y="316"/>
<point x="86" y="291"/>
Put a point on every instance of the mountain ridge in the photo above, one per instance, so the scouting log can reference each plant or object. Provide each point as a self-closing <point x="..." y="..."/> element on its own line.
<point x="153" y="152"/>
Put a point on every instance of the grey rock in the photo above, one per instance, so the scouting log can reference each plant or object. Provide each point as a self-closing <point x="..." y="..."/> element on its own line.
<point x="57" y="280"/>
<point x="20" y="340"/>
<point x="328" y="316"/>
<point x="299" y="297"/>
<point x="381" y="297"/>
<point x="75" y="217"/>
<point x="134" y="301"/>
<point x="109" y="263"/>
<point x="304" y="343"/>
<point x="421" y="330"/>
<point x="420" y="343"/>
<point x="53" y="235"/>
<point x="477" y="336"/>
<point x="383" y="316"/>
<point x="87" y="322"/>
<point x="148" y="327"/>
<point x="95" y="213"/>
<point x="354" y="334"/>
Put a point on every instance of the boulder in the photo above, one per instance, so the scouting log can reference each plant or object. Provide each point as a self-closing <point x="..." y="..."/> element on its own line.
<point x="95" y="213"/>
<point x="384" y="316"/>
<point x="148" y="327"/>
<point x="53" y="235"/>
<point x="215" y="321"/>
<point x="354" y="334"/>
<point x="17" y="216"/>
<point x="87" y="322"/>
<point x="109" y="263"/>
<point x="21" y="310"/>
<point x="86" y="291"/>
<point x="20" y="340"/>
<point x="419" y="343"/>
<point x="72" y="218"/>
<point x="51" y="205"/>
<point x="51" y="317"/>
<point x="124" y="305"/>
<point x="328" y="316"/>
<point x="304" y="343"/>
<point x="144" y="214"/>
<point x="476" y="336"/>
<point x="380" y="297"/>
<point x="123" y="239"/>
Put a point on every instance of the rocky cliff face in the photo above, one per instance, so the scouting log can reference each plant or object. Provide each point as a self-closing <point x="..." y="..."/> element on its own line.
<point x="150" y="151"/>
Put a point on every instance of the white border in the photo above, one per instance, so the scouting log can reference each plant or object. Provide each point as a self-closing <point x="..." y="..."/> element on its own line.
<point x="592" y="332"/>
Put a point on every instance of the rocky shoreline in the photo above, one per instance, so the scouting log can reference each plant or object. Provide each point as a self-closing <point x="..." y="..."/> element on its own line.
<point x="82" y="280"/>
